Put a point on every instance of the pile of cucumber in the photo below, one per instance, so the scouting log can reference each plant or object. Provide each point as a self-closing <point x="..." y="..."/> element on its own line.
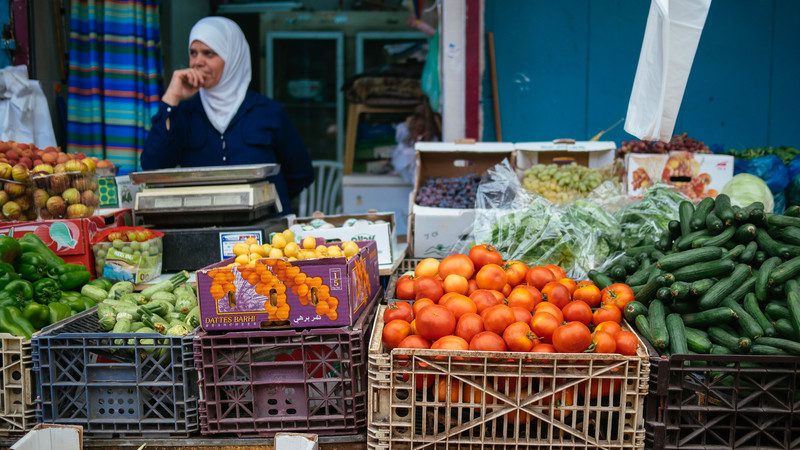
<point x="721" y="280"/>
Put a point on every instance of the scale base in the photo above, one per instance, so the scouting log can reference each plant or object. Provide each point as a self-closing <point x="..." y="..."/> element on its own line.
<point x="211" y="217"/>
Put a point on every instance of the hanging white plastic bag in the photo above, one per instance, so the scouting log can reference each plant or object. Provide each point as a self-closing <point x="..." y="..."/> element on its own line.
<point x="24" y="114"/>
<point x="670" y="42"/>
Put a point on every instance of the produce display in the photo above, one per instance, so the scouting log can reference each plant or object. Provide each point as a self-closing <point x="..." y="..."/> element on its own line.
<point x="679" y="142"/>
<point x="563" y="183"/>
<point x="722" y="279"/>
<point x="444" y="192"/>
<point x="36" y="287"/>
<point x="786" y="154"/>
<point x="283" y="245"/>
<point x="128" y="254"/>
<point x="479" y="302"/>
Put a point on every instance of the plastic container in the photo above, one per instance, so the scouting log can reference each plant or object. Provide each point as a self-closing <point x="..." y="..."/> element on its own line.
<point x="115" y="384"/>
<point x="17" y="408"/>
<point x="264" y="382"/>
<point x="16" y="201"/>
<point x="132" y="254"/>
<point x="65" y="195"/>
<point x="504" y="399"/>
<point x="734" y="401"/>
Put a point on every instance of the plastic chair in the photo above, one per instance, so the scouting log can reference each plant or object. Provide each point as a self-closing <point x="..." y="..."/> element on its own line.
<point x="325" y="193"/>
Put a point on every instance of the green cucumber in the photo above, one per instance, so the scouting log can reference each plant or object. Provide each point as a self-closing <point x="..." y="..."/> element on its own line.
<point x="762" y="278"/>
<point x="664" y="242"/>
<point x="784" y="272"/>
<point x="674" y="229"/>
<point x="735" y="253"/>
<point x="640" y="276"/>
<point x="720" y="350"/>
<point x="656" y="254"/>
<point x="785" y="329"/>
<point x="677" y="335"/>
<point x="685" y="242"/>
<point x="681" y="259"/>
<point x="733" y="343"/>
<point x="790" y="235"/>
<point x="745" y="233"/>
<point x="740" y="215"/>
<point x="700" y="287"/>
<point x="780" y="220"/>
<point x="698" y="220"/>
<point x="749" y="253"/>
<point x="747" y="323"/>
<point x="760" y="349"/>
<point x="685" y="210"/>
<point x="697" y="340"/>
<point x="682" y="307"/>
<point x="679" y="289"/>
<point x="600" y="279"/>
<point x="756" y="214"/>
<point x="738" y="294"/>
<point x="724" y="287"/>
<point x="633" y="310"/>
<point x="629" y="264"/>
<point x="643" y="325"/>
<point x="656" y="315"/>
<point x="714" y="224"/>
<point x="664" y="294"/>
<point x="792" y="211"/>
<point x="710" y="269"/>
<point x="771" y="246"/>
<point x="648" y="291"/>
<point x="709" y="317"/>
<point x="700" y="242"/>
<point x="721" y="238"/>
<point x="759" y="259"/>
<point x="616" y="272"/>
<point x="777" y="311"/>
<point x="751" y="306"/>
<point x="642" y="249"/>
<point x="783" y="344"/>
<point x="793" y="302"/>
<point x="723" y="209"/>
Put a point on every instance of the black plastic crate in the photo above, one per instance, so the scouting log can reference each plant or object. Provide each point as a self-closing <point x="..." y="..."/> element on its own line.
<point x="115" y="384"/>
<point x="733" y="401"/>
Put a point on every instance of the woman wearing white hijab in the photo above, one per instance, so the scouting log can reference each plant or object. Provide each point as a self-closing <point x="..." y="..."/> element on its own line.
<point x="226" y="123"/>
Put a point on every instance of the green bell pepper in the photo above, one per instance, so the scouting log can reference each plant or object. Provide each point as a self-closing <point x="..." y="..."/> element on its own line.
<point x="58" y="312"/>
<point x="7" y="274"/>
<point x="31" y="243"/>
<point x="9" y="249"/>
<point x="32" y="267"/>
<point x="6" y="299"/>
<point x="21" y="290"/>
<point x="75" y="303"/>
<point x="71" y="276"/>
<point x="46" y="290"/>
<point x="37" y="314"/>
<point x="12" y="321"/>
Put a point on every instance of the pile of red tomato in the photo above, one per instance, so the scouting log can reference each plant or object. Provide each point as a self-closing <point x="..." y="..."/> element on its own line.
<point x="480" y="302"/>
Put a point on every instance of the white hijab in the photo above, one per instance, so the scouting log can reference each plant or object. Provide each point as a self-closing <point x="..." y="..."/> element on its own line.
<point x="226" y="38"/>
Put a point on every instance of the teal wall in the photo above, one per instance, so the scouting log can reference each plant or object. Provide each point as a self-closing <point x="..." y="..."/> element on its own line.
<point x="5" y="57"/>
<point x="566" y="68"/>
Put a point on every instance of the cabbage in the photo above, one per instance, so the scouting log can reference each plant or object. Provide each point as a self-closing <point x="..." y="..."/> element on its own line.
<point x="744" y="189"/>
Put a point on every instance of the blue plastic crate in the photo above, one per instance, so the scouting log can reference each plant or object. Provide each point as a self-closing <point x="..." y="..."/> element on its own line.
<point x="115" y="384"/>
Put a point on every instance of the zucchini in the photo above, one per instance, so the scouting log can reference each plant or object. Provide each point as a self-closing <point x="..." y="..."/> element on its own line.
<point x="720" y="350"/>
<point x="735" y="253"/>
<point x="724" y="287"/>
<point x="643" y="325"/>
<point x="751" y="306"/>
<point x="745" y="233"/>
<point x="720" y="239"/>
<point x="723" y="209"/>
<point x="776" y="311"/>
<point x="792" y="211"/>
<point x="733" y="343"/>
<point x="679" y="289"/>
<point x="681" y="259"/>
<point x="747" y="323"/>
<point x="629" y="264"/>
<point x="698" y="220"/>
<point x="633" y="310"/>
<point x="700" y="287"/>
<point x="784" y="272"/>
<point x="656" y="315"/>
<point x="714" y="224"/>
<point x="783" y="344"/>
<point x="699" y="271"/>
<point x="600" y="279"/>
<point x="759" y="259"/>
<point x="697" y="340"/>
<point x="785" y="329"/>
<point x="763" y="275"/>
<point x="709" y="317"/>
<point x="760" y="349"/>
<point x="685" y="210"/>
<point x="677" y="335"/>
<point x="771" y="246"/>
<point x="674" y="229"/>
<point x="779" y="220"/>
<point x="793" y="302"/>
<point x="685" y="242"/>
<point x="749" y="253"/>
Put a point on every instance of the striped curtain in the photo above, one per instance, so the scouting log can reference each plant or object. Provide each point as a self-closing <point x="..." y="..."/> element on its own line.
<point x="114" y="78"/>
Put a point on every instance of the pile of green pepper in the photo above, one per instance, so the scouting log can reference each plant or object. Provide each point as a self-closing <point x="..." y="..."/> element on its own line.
<point x="37" y="288"/>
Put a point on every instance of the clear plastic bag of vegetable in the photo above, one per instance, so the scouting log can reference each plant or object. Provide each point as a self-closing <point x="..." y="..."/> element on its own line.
<point x="643" y="221"/>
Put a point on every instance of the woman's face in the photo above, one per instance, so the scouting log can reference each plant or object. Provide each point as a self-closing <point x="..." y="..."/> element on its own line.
<point x="206" y="60"/>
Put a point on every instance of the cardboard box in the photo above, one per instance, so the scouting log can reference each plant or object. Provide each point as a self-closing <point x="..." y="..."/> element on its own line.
<point x="45" y="436"/>
<point x="255" y="302"/>
<point x="586" y="153"/>
<point x="361" y="193"/>
<point x="296" y="441"/>
<point x="696" y="175"/>
<point x="71" y="239"/>
<point x="384" y="234"/>
<point x="434" y="231"/>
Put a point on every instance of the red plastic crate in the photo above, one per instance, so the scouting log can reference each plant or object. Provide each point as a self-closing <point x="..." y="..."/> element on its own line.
<point x="258" y="383"/>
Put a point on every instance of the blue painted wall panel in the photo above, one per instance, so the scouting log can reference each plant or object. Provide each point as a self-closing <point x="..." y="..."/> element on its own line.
<point x="5" y="56"/>
<point x="580" y="58"/>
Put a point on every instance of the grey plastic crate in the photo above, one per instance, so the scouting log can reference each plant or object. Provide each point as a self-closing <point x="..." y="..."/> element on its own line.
<point x="115" y="384"/>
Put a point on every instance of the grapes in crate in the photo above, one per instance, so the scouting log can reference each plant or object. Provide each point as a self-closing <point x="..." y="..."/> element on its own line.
<point x="453" y="192"/>
<point x="562" y="183"/>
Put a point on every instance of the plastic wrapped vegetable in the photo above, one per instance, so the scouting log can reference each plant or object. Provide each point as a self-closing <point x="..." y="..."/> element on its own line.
<point x="642" y="222"/>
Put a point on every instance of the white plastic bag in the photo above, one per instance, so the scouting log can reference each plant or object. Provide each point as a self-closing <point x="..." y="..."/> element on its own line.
<point x="668" y="49"/>
<point x="24" y="114"/>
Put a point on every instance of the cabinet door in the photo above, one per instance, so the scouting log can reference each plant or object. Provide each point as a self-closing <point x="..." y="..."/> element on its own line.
<point x="305" y="72"/>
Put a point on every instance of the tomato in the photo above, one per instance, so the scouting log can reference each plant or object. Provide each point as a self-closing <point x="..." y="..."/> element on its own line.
<point x="487" y="341"/>
<point x="447" y="296"/>
<point x="609" y="327"/>
<point x="556" y="293"/>
<point x="497" y="318"/>
<point x="414" y="341"/>
<point x="557" y="271"/>
<point x="543" y="325"/>
<point x="492" y="277"/>
<point x="421" y="303"/>
<point x="515" y="272"/>
<point x="506" y="290"/>
<point x="450" y="343"/>
<point x="573" y="337"/>
<point x="584" y="283"/>
<point x="457" y="264"/>
<point x="484" y="299"/>
<point x="442" y="387"/>
<point x="456" y="283"/>
<point x="460" y="305"/>
<point x="521" y="314"/>
<point x="524" y="296"/>
<point x="600" y="388"/>
<point x="539" y="276"/>
<point x="485" y="254"/>
<point x="404" y="289"/>
<point x="543" y="348"/>
<point x="428" y="267"/>
<point x="498" y="295"/>
<point x="604" y="342"/>
<point x="468" y="326"/>
<point x="428" y="287"/>
<point x="519" y="337"/>
<point x="589" y="294"/>
<point x="627" y="344"/>
<point x="618" y="294"/>
<point x="550" y="308"/>
<point x="398" y="310"/>
<point x="577" y="311"/>
<point x="394" y="332"/>
<point x="561" y="399"/>
<point x="413" y="326"/>
<point x="473" y="286"/>
<point x="606" y="313"/>
<point x="570" y="284"/>
<point x="435" y="321"/>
